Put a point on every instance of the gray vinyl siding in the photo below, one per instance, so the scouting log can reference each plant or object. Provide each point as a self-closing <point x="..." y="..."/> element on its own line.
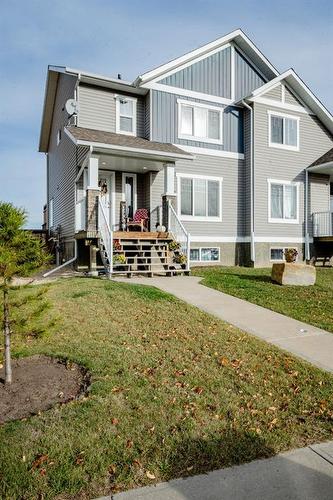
<point x="147" y="116"/>
<point x="246" y="77"/>
<point x="156" y="192"/>
<point x="280" y="164"/>
<point x="275" y="94"/>
<point x="98" y="109"/>
<point x="62" y="162"/>
<point x="210" y="75"/>
<point x="165" y="123"/>
<point x="247" y="173"/>
<point x="319" y="200"/>
<point x="290" y="98"/>
<point x="232" y="172"/>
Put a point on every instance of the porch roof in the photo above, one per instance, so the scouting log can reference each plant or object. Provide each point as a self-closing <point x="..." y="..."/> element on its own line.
<point x="125" y="144"/>
<point x="324" y="164"/>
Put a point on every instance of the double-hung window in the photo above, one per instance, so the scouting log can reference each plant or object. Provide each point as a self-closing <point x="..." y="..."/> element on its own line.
<point x="283" y="131"/>
<point x="199" y="122"/>
<point x="125" y="115"/>
<point x="200" y="197"/>
<point x="283" y="201"/>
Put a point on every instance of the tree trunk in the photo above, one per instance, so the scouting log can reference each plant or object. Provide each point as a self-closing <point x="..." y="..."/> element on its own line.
<point x="6" y="331"/>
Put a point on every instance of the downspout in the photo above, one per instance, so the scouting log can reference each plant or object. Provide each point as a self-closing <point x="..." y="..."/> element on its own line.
<point x="253" y="250"/>
<point x="70" y="261"/>
<point x="307" y="239"/>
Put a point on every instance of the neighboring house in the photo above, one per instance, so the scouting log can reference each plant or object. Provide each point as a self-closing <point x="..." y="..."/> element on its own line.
<point x="217" y="145"/>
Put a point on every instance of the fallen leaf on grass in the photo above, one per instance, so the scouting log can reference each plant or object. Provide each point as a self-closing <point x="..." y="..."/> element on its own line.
<point x="150" y="475"/>
<point x="198" y="390"/>
<point x="114" y="421"/>
<point x="129" y="443"/>
<point x="39" y="460"/>
<point x="224" y="361"/>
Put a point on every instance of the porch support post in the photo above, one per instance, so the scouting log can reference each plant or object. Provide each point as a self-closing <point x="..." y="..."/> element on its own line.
<point x="169" y="193"/>
<point x="92" y="196"/>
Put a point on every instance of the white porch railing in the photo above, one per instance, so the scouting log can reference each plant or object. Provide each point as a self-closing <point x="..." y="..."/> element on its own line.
<point x="322" y="224"/>
<point x="80" y="215"/>
<point x="106" y="236"/>
<point x="179" y="233"/>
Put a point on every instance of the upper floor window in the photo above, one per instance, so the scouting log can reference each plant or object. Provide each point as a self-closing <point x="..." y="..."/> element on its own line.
<point x="199" y="122"/>
<point x="126" y="115"/>
<point x="283" y="131"/>
<point x="200" y="197"/>
<point x="283" y="201"/>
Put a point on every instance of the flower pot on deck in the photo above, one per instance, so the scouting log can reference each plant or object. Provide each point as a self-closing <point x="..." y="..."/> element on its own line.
<point x="286" y="273"/>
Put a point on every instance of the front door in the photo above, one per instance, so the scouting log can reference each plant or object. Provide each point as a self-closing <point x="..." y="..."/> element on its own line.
<point x="129" y="193"/>
<point x="106" y="184"/>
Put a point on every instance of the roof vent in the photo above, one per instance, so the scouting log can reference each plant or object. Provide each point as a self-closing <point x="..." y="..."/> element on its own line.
<point x="119" y="76"/>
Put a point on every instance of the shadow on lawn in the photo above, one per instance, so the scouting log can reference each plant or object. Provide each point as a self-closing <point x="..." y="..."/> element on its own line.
<point x="260" y="279"/>
<point x="195" y="456"/>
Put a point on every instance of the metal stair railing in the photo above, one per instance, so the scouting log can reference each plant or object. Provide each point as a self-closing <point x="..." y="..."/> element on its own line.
<point x="322" y="224"/>
<point x="179" y="233"/>
<point x="106" y="239"/>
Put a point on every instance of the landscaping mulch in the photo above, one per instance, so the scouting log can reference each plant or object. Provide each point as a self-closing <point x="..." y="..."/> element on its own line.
<point x="39" y="382"/>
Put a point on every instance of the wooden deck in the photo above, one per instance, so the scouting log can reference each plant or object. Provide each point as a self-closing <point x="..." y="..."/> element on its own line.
<point x="138" y="235"/>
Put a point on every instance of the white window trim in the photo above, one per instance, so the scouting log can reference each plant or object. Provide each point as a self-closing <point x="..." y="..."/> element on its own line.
<point x="283" y="249"/>
<point x="272" y="220"/>
<point x="58" y="136"/>
<point x="123" y="180"/>
<point x="199" y="218"/>
<point x="182" y="102"/>
<point x="210" y="248"/>
<point x="282" y="115"/>
<point x="134" y="100"/>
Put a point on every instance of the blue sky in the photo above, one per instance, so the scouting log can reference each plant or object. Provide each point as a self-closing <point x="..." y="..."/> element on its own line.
<point x="129" y="37"/>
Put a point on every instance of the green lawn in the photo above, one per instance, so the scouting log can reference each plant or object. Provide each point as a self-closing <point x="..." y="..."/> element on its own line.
<point x="313" y="304"/>
<point x="174" y="392"/>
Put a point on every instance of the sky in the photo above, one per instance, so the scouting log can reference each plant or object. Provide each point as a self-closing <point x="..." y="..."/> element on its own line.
<point x="130" y="37"/>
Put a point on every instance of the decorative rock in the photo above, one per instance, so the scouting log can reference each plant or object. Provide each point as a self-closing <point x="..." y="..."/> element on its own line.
<point x="293" y="274"/>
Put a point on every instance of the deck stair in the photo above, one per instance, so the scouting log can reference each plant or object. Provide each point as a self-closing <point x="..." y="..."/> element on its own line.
<point x="143" y="253"/>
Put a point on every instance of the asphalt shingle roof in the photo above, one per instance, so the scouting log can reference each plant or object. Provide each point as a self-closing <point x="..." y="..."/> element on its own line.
<point x="122" y="140"/>
<point x="326" y="158"/>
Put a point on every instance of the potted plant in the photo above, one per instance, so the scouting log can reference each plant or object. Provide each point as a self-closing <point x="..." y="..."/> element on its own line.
<point x="174" y="246"/>
<point x="181" y="259"/>
<point x="290" y="254"/>
<point x="116" y="246"/>
<point x="119" y="260"/>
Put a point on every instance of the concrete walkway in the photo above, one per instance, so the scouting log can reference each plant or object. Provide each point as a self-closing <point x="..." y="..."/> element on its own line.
<point x="306" y="341"/>
<point x="304" y="474"/>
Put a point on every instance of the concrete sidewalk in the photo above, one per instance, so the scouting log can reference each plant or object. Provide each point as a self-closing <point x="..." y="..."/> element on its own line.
<point x="304" y="474"/>
<point x="306" y="341"/>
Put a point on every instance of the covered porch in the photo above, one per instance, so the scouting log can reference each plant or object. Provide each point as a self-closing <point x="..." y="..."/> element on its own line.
<point x="125" y="190"/>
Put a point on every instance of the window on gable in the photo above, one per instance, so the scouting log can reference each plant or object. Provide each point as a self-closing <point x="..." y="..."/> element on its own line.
<point x="199" y="122"/>
<point x="126" y="115"/>
<point x="200" y="197"/>
<point x="283" y="201"/>
<point x="283" y="131"/>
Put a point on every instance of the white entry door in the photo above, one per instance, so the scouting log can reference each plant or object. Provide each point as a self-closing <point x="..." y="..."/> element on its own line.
<point x="106" y="182"/>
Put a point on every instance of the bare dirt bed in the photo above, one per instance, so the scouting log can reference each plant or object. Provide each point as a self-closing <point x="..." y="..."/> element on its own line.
<point x="39" y="382"/>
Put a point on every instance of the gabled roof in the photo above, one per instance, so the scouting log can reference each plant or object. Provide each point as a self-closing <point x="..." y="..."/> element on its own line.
<point x="124" y="143"/>
<point x="237" y="36"/>
<point x="302" y="91"/>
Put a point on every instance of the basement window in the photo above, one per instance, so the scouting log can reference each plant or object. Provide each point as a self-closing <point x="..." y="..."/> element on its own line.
<point x="277" y="253"/>
<point x="205" y="254"/>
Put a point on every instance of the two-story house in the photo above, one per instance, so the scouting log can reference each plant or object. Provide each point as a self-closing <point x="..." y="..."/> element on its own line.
<point x="223" y="153"/>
